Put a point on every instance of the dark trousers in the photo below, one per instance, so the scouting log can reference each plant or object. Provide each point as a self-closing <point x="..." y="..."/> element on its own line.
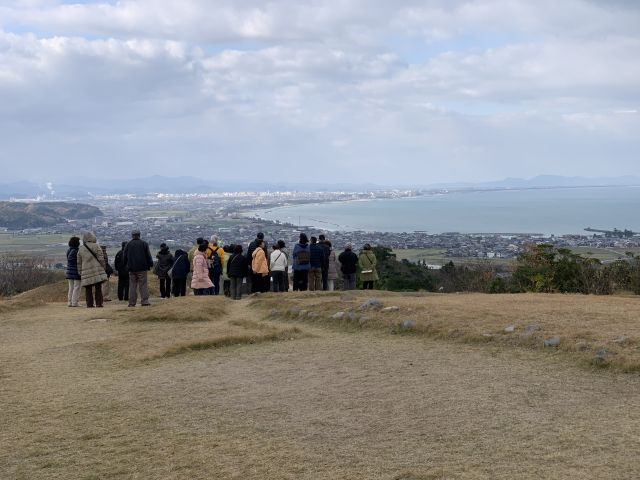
<point x="348" y="281"/>
<point x="203" y="291"/>
<point x="165" y="287"/>
<point x="286" y="279"/>
<point x="88" y="293"/>
<point x="179" y="287"/>
<point x="214" y="275"/>
<point x="368" y="285"/>
<point x="226" y="287"/>
<point x="278" y="281"/>
<point x="236" y="287"/>
<point x="325" y="278"/>
<point x="123" y="286"/>
<point x="300" y="280"/>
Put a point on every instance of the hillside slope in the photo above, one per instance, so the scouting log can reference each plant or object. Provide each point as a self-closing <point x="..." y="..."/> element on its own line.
<point x="18" y="215"/>
<point x="273" y="387"/>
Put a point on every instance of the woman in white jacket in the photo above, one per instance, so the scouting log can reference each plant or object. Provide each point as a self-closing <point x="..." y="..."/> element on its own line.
<point x="277" y="265"/>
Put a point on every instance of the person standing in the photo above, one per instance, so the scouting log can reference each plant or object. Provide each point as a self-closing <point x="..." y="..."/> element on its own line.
<point x="278" y="265"/>
<point x="215" y="259"/>
<point x="161" y="269"/>
<point x="260" y="269"/>
<point x="348" y="266"/>
<point x="137" y="258"/>
<point x="283" y="248"/>
<point x="194" y="249"/>
<point x="368" y="273"/>
<point x="200" y="281"/>
<point x="106" y="286"/>
<point x="226" y="282"/>
<point x="123" y="274"/>
<point x="91" y="267"/>
<point x="72" y="274"/>
<point x="179" y="272"/>
<point x="237" y="270"/>
<point x="317" y="262"/>
<point x="252" y="246"/>
<point x="326" y="246"/>
<point x="332" y="268"/>
<point x="301" y="264"/>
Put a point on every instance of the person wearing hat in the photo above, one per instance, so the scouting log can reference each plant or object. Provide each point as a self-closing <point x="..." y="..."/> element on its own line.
<point x="348" y="266"/>
<point x="161" y="269"/>
<point x="137" y="258"/>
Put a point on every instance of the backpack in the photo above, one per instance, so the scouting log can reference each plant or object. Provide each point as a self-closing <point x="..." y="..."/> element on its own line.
<point x="304" y="256"/>
<point x="213" y="261"/>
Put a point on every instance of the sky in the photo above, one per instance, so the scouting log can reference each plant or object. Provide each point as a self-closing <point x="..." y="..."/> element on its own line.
<point x="389" y="92"/>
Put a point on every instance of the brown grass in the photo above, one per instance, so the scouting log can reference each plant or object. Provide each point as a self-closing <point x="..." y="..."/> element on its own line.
<point x="585" y="324"/>
<point x="92" y="394"/>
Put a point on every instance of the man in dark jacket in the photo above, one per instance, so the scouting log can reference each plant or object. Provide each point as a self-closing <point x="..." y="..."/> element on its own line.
<point x="322" y="241"/>
<point x="123" y="274"/>
<point x="137" y="258"/>
<point x="316" y="260"/>
<point x="179" y="272"/>
<point x="349" y="265"/>
<point x="236" y="271"/>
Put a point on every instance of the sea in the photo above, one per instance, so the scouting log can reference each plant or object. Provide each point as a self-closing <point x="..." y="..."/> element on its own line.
<point x="557" y="211"/>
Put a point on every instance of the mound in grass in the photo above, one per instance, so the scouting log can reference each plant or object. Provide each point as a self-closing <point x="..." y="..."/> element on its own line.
<point x="183" y="309"/>
<point x="600" y="331"/>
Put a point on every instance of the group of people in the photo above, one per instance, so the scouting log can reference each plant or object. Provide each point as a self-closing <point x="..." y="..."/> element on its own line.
<point x="313" y="262"/>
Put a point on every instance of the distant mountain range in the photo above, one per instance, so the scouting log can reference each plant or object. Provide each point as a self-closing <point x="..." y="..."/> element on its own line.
<point x="82" y="188"/>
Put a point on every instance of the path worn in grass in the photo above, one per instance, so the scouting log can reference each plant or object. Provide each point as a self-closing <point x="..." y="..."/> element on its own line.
<point x="323" y="403"/>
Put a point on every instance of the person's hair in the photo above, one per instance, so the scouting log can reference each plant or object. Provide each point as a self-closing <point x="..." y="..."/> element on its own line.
<point x="124" y="244"/>
<point x="237" y="249"/>
<point x="366" y="246"/>
<point x="228" y="248"/>
<point x="275" y="246"/>
<point x="321" y="237"/>
<point x="260" y="244"/>
<point x="74" y="242"/>
<point x="163" y="246"/>
<point x="314" y="240"/>
<point x="260" y="235"/>
<point x="199" y="240"/>
<point x="303" y="238"/>
<point x="281" y="244"/>
<point x="327" y="242"/>
<point x="203" y="247"/>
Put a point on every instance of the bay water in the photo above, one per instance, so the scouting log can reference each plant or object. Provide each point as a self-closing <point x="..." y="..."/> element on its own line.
<point x="545" y="211"/>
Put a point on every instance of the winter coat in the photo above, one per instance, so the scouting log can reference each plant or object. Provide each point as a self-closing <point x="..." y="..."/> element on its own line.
<point x="72" y="264"/>
<point x="181" y="265"/>
<point x="200" y="277"/>
<point x="259" y="262"/>
<point x="192" y="252"/>
<point x="278" y="261"/>
<point x="332" y="272"/>
<point x="237" y="266"/>
<point x="368" y="261"/>
<point x="317" y="255"/>
<point x="137" y="256"/>
<point x="327" y="251"/>
<point x="348" y="262"/>
<point x="299" y="247"/>
<point x="252" y="247"/>
<point x="225" y="274"/>
<point x="165" y="262"/>
<point x="90" y="267"/>
<point x="119" y="264"/>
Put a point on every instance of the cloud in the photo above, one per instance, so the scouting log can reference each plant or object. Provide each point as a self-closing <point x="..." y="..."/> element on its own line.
<point x="445" y="90"/>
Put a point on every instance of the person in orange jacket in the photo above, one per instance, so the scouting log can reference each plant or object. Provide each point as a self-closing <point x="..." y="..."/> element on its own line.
<point x="260" y="267"/>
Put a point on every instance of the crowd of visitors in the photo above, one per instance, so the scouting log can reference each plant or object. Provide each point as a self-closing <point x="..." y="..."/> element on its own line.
<point x="312" y="262"/>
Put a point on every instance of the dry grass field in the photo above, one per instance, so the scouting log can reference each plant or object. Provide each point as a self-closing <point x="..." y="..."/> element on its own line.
<point x="274" y="388"/>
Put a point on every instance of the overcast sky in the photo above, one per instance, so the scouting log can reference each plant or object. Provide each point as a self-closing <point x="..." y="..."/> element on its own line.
<point x="398" y="91"/>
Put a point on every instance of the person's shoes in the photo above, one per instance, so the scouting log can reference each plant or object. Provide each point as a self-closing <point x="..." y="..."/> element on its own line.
<point x="89" y="306"/>
<point x="131" y="306"/>
<point x="99" y="306"/>
<point x="146" y="304"/>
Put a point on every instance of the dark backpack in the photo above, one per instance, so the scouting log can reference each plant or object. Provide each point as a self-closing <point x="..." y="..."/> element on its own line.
<point x="213" y="261"/>
<point x="304" y="257"/>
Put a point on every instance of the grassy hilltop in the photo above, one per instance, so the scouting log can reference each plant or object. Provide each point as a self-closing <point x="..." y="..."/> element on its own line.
<point x="305" y="386"/>
<point x="19" y="215"/>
